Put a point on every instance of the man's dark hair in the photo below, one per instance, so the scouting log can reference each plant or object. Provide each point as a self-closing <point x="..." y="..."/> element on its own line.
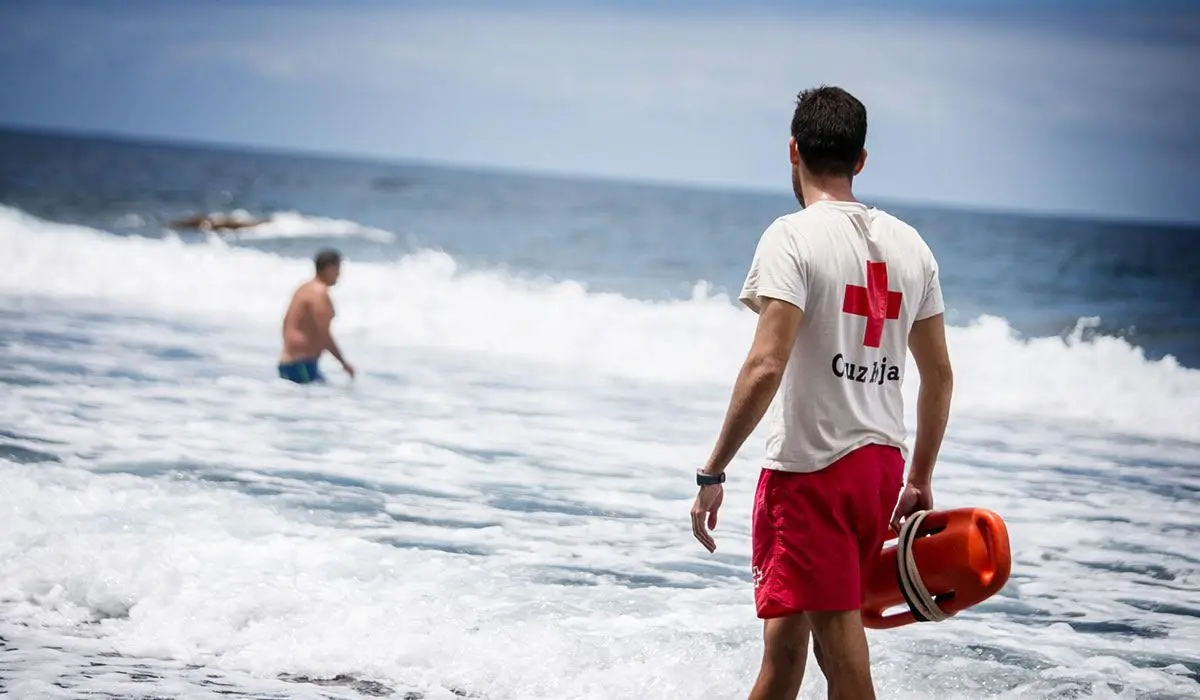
<point x="830" y="128"/>
<point x="327" y="257"/>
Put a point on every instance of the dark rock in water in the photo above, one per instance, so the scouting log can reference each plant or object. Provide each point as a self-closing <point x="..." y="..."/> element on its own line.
<point x="216" y="221"/>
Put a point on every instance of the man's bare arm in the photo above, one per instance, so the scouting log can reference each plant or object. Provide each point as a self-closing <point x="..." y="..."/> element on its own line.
<point x="927" y="342"/>
<point x="758" y="380"/>
<point x="323" y="315"/>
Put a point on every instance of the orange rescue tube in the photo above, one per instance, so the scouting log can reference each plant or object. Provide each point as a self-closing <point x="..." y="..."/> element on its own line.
<point x="962" y="556"/>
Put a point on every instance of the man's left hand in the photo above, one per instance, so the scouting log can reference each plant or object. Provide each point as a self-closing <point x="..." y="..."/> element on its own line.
<point x="704" y="514"/>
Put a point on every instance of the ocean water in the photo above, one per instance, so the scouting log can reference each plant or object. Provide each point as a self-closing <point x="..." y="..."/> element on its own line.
<point x="498" y="507"/>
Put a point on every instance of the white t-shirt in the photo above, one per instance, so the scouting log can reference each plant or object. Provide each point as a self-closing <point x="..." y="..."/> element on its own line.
<point x="862" y="277"/>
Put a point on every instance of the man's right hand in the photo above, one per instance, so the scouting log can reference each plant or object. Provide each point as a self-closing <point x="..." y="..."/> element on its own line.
<point x="913" y="498"/>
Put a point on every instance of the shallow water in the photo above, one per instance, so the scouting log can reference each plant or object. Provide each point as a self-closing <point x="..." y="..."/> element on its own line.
<point x="497" y="508"/>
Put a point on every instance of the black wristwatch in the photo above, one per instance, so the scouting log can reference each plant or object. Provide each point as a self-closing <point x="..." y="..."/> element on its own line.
<point x="703" y="479"/>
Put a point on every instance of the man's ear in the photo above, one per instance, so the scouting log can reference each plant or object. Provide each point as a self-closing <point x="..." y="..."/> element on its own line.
<point x="793" y="152"/>
<point x="862" y="161"/>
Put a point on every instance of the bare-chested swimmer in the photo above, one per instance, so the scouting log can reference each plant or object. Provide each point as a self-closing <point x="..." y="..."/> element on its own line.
<point x="306" y="333"/>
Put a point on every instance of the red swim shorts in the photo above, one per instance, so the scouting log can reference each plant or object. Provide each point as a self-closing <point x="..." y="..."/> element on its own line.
<point x="815" y="535"/>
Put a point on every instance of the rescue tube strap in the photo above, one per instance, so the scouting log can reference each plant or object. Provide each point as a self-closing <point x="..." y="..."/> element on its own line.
<point x="920" y="603"/>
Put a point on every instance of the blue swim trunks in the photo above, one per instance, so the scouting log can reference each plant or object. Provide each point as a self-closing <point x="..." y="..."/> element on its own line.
<point x="301" y="371"/>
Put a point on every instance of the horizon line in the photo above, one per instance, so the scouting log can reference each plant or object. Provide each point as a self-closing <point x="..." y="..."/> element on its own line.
<point x="191" y="143"/>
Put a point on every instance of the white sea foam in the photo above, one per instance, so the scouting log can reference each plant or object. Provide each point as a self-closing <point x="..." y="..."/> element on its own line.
<point x="423" y="300"/>
<point x="499" y="505"/>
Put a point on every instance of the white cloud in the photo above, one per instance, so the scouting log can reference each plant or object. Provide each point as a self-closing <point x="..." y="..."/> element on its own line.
<point x="908" y="65"/>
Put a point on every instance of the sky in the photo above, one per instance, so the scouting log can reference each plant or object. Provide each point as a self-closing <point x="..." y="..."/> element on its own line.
<point x="1065" y="107"/>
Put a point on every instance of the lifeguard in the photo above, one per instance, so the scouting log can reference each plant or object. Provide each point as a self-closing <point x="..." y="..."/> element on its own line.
<point x="842" y="291"/>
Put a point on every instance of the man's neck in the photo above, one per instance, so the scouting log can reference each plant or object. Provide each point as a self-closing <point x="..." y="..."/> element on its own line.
<point x="828" y="189"/>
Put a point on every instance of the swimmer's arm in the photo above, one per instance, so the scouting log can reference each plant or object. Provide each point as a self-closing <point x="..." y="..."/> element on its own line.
<point x="927" y="342"/>
<point x="332" y="347"/>
<point x="323" y="314"/>
<point x="758" y="380"/>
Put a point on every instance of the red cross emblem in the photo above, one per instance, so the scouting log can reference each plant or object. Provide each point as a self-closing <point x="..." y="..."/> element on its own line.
<point x="874" y="301"/>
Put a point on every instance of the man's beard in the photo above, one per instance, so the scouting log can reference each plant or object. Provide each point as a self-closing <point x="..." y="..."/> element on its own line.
<point x="796" y="189"/>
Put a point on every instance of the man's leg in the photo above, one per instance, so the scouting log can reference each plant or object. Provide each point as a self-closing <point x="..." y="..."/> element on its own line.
<point x="818" y="655"/>
<point x="805" y="555"/>
<point x="785" y="649"/>
<point x="845" y="659"/>
<point x="839" y="640"/>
